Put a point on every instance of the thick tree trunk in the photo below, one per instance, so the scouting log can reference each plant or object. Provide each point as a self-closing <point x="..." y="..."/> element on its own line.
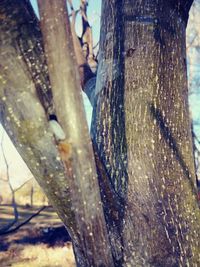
<point x="142" y="131"/>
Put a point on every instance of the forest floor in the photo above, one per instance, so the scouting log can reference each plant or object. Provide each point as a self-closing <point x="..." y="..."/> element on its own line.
<point x="43" y="242"/>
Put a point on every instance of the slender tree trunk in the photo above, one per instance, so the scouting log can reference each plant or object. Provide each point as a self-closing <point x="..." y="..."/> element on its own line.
<point x="142" y="131"/>
<point x="23" y="74"/>
<point x="92" y="245"/>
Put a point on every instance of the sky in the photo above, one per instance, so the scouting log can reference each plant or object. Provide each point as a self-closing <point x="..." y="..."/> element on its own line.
<point x="93" y="12"/>
<point x="17" y="168"/>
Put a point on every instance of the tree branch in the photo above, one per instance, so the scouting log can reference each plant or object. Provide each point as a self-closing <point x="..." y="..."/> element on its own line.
<point x="22" y="114"/>
<point x="76" y="148"/>
<point x="23" y="223"/>
<point x="84" y="67"/>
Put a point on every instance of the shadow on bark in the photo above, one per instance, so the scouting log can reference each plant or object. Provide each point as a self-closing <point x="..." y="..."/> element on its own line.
<point x="170" y="140"/>
<point x="112" y="169"/>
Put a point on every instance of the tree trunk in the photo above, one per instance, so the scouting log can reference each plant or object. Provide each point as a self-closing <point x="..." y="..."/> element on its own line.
<point x="92" y="245"/>
<point x="26" y="103"/>
<point x="142" y="131"/>
<point x="23" y="71"/>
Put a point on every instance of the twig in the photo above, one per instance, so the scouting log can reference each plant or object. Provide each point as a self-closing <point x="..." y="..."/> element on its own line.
<point x="17" y="189"/>
<point x="23" y="223"/>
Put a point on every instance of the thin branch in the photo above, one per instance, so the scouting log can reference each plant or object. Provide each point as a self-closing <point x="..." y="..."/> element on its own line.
<point x="87" y="38"/>
<point x="96" y="45"/>
<point x="192" y="41"/>
<point x="17" y="189"/>
<point x="23" y="223"/>
<point x="84" y="69"/>
<point x="76" y="12"/>
<point x="196" y="138"/>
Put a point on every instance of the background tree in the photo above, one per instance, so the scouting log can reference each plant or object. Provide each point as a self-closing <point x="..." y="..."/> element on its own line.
<point x="13" y="201"/>
<point x="14" y="224"/>
<point x="141" y="130"/>
<point x="193" y="55"/>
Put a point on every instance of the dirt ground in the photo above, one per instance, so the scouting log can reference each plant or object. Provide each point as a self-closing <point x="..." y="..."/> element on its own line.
<point x="43" y="242"/>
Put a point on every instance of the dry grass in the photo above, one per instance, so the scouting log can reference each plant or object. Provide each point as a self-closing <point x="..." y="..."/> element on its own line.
<point x="42" y="256"/>
<point x="18" y="249"/>
<point x="38" y="256"/>
<point x="43" y="219"/>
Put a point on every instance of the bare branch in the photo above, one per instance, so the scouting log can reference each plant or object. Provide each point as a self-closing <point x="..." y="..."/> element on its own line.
<point x="87" y="39"/>
<point x="18" y="188"/>
<point x="23" y="223"/>
<point x="192" y="41"/>
<point x="84" y="69"/>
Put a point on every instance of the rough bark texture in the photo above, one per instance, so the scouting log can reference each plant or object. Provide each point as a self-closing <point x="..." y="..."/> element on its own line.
<point x="23" y="71"/>
<point x="26" y="102"/>
<point x="92" y="247"/>
<point x="142" y="131"/>
<point x="23" y="74"/>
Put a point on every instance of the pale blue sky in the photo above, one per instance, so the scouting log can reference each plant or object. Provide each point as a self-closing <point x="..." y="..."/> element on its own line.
<point x="93" y="12"/>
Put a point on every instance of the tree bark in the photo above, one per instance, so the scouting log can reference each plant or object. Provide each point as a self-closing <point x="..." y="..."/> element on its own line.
<point x="141" y="128"/>
<point x="142" y="131"/>
<point x="92" y="247"/>
<point x="24" y="75"/>
<point x="26" y="104"/>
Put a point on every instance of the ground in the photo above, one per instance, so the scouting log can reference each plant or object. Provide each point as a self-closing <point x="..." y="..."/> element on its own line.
<point x="43" y="242"/>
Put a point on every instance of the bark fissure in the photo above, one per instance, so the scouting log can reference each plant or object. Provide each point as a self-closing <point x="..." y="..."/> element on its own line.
<point x="160" y="192"/>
